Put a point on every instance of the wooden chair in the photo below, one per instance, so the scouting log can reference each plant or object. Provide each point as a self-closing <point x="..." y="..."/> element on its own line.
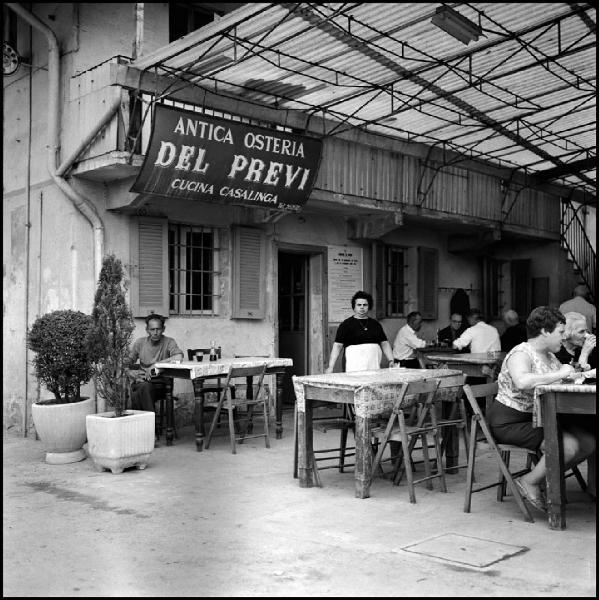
<point x="451" y="417"/>
<point x="419" y="394"/>
<point x="450" y="411"/>
<point x="343" y="422"/>
<point x="502" y="452"/>
<point x="160" y="407"/>
<point x="269" y="395"/>
<point x="230" y="403"/>
<point x="211" y="386"/>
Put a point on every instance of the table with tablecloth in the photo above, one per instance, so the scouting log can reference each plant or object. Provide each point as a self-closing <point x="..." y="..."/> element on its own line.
<point x="549" y="401"/>
<point x="200" y="371"/>
<point x="371" y="392"/>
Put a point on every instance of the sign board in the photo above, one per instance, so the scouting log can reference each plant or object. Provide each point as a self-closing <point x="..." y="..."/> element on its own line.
<point x="199" y="157"/>
<point x="344" y="280"/>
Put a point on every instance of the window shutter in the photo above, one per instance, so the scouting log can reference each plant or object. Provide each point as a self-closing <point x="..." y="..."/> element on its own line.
<point x="249" y="273"/>
<point x="149" y="262"/>
<point x="378" y="283"/>
<point x="428" y="281"/>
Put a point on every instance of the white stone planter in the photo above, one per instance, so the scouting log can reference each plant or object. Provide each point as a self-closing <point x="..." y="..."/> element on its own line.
<point x="117" y="443"/>
<point x="62" y="429"/>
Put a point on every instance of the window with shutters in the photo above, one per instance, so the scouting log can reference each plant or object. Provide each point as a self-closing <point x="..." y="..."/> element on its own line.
<point x="394" y="281"/>
<point x="193" y="269"/>
<point x="390" y="284"/>
<point x="249" y="273"/>
<point x="428" y="282"/>
<point x="493" y="288"/>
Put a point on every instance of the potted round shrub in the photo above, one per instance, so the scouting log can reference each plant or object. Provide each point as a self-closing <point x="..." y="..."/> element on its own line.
<point x="122" y="437"/>
<point x="62" y="365"/>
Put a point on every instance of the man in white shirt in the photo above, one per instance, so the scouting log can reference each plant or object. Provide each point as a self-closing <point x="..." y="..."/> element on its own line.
<point x="481" y="336"/>
<point x="406" y="342"/>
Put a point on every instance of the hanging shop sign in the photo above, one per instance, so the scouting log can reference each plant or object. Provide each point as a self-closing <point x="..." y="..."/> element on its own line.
<point x="199" y="157"/>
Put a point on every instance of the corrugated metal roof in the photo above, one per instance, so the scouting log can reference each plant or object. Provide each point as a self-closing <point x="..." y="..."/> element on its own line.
<point x="522" y="96"/>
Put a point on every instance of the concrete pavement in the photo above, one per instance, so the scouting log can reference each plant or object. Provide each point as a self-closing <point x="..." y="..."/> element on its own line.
<point x="217" y="524"/>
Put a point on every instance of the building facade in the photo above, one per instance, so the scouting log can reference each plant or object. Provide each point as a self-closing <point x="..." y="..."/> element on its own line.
<point x="408" y="223"/>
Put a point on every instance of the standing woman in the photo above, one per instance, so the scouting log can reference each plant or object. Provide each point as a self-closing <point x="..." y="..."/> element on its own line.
<point x="362" y="337"/>
<point x="527" y="365"/>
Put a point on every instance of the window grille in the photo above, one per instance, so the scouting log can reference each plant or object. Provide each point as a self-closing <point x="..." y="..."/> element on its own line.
<point x="394" y="281"/>
<point x="193" y="254"/>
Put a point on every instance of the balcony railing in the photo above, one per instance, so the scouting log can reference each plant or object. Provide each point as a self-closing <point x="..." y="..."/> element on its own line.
<point x="574" y="240"/>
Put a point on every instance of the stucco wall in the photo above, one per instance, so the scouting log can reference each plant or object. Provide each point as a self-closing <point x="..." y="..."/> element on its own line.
<point x="48" y="244"/>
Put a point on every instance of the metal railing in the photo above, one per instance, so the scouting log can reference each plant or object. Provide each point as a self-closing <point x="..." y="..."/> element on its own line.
<point x="574" y="240"/>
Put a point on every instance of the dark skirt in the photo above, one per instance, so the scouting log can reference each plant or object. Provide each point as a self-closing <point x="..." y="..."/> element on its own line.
<point x="511" y="426"/>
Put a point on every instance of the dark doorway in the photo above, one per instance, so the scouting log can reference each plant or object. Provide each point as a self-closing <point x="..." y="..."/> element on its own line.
<point x="293" y="316"/>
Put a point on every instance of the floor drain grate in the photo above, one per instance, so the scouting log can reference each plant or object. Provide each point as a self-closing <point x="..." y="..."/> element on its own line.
<point x="465" y="549"/>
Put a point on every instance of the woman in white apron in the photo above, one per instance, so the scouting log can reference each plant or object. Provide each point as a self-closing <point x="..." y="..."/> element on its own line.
<point x="362" y="337"/>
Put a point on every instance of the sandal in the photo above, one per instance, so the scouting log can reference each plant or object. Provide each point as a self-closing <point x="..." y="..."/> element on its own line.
<point x="536" y="502"/>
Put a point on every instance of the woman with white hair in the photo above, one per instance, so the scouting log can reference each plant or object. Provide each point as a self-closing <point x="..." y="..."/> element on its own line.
<point x="578" y="345"/>
<point x="510" y="417"/>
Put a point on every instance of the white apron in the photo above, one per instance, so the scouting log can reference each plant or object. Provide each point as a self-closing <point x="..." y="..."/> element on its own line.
<point x="363" y="357"/>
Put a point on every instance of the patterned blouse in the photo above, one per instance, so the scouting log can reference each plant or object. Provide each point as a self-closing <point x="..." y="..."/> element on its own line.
<point x="508" y="394"/>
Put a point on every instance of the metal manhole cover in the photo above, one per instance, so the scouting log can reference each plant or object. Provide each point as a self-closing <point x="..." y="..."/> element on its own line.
<point x="465" y="549"/>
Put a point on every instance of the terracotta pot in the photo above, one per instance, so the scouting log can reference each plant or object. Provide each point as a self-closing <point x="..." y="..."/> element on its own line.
<point x="61" y="429"/>
<point x="117" y="443"/>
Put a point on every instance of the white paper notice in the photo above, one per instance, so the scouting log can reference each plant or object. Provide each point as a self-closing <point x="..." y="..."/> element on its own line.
<point x="344" y="280"/>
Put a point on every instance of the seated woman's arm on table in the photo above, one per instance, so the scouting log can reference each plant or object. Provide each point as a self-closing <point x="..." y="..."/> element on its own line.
<point x="520" y="368"/>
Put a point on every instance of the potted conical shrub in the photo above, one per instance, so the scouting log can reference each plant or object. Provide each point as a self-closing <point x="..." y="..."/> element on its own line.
<point x="62" y="365"/>
<point x="122" y="437"/>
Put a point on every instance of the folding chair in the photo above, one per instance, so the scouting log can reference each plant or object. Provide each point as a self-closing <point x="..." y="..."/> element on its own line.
<point x="230" y="403"/>
<point x="419" y="394"/>
<point x="449" y="422"/>
<point x="270" y="397"/>
<point x="502" y="452"/>
<point x="202" y="389"/>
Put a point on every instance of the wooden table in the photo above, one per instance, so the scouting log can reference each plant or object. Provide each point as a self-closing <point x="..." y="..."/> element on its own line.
<point x="371" y="392"/>
<point x="471" y="364"/>
<point x="198" y="372"/>
<point x="436" y="349"/>
<point x="549" y="401"/>
<point x="478" y="364"/>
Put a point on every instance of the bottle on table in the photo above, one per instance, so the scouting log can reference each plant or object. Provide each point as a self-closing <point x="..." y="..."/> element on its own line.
<point x="213" y="350"/>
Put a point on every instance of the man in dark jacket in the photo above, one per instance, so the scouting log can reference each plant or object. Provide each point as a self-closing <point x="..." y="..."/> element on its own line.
<point x="453" y="331"/>
<point x="515" y="333"/>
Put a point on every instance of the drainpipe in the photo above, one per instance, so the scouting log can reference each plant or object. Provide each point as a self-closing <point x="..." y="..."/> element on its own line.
<point x="83" y="204"/>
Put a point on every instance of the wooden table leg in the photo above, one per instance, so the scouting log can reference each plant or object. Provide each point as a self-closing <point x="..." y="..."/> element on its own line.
<point x="198" y="413"/>
<point x="554" y="460"/>
<point x="363" y="468"/>
<point x="279" y="405"/>
<point x="305" y="446"/>
<point x="450" y="442"/>
<point x="170" y="413"/>
<point x="249" y="394"/>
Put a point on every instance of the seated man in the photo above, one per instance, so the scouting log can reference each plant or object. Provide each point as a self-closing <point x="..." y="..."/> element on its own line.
<point x="154" y="348"/>
<point x="453" y="331"/>
<point x="406" y="342"/>
<point x="480" y="336"/>
<point x="514" y="333"/>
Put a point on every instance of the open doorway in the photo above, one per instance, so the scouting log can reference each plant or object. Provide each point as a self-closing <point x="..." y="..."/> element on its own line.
<point x="294" y="309"/>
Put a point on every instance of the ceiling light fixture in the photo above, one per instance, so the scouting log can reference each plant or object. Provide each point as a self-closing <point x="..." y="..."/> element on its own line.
<point x="453" y="23"/>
